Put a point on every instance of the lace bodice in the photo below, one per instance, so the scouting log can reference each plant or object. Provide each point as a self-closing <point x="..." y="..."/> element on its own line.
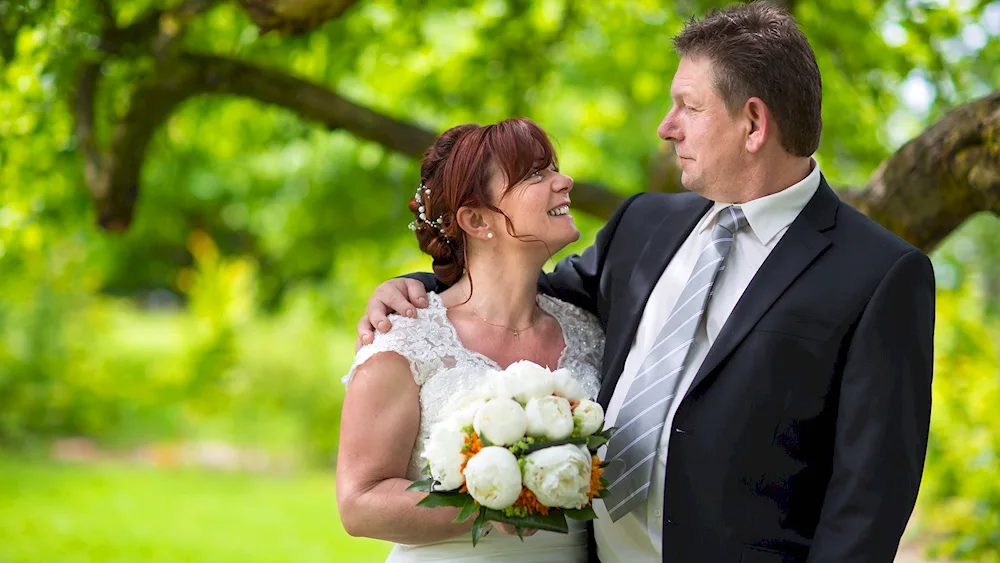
<point x="442" y="366"/>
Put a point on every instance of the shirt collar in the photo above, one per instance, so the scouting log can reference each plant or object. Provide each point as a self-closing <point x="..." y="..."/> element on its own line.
<point x="769" y="214"/>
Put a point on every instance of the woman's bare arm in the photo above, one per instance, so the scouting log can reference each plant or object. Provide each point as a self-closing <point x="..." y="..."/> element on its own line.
<point x="378" y="429"/>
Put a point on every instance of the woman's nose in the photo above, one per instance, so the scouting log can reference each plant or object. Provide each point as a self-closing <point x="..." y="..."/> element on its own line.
<point x="563" y="183"/>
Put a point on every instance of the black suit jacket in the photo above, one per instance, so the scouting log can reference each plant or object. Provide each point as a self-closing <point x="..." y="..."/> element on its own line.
<point x="803" y="435"/>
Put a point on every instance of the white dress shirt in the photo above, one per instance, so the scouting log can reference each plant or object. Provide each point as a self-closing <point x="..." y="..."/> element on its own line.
<point x="636" y="538"/>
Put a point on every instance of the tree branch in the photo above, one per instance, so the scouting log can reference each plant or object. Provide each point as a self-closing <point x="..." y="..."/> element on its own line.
<point x="922" y="192"/>
<point x="83" y="105"/>
<point x="938" y="179"/>
<point x="190" y="75"/>
<point x="293" y="17"/>
<point x="147" y="28"/>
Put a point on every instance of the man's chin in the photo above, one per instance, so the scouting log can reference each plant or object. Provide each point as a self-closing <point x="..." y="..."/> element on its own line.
<point x="691" y="184"/>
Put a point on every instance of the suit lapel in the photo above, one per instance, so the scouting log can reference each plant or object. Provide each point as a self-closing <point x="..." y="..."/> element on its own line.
<point x="799" y="247"/>
<point x="659" y="248"/>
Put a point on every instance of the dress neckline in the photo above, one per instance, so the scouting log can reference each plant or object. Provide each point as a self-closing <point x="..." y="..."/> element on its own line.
<point x="545" y="302"/>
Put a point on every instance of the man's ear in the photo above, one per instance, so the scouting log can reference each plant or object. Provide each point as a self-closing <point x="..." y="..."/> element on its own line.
<point x="473" y="221"/>
<point x="759" y="124"/>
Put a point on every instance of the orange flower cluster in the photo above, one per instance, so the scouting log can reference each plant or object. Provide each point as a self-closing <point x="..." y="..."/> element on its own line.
<point x="473" y="446"/>
<point x="528" y="500"/>
<point x="595" y="477"/>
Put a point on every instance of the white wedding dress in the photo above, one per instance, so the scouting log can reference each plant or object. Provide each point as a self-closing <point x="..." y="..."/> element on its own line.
<point x="442" y="366"/>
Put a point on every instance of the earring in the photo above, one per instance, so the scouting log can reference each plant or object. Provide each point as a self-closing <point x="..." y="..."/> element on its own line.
<point x="489" y="235"/>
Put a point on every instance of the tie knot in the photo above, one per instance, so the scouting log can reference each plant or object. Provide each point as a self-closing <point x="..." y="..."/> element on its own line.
<point x="732" y="219"/>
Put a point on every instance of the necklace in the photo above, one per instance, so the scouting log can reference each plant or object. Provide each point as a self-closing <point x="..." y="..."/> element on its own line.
<point x="517" y="331"/>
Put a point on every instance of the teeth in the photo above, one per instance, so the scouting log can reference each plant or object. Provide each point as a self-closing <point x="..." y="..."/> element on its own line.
<point x="564" y="210"/>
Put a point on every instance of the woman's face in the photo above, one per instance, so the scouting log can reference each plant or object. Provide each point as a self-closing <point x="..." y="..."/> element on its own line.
<point x="538" y="208"/>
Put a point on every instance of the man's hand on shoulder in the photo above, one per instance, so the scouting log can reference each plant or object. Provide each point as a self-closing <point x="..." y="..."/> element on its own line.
<point x="399" y="295"/>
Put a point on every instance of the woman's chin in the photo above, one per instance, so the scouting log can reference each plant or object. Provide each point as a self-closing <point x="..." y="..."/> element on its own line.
<point x="562" y="240"/>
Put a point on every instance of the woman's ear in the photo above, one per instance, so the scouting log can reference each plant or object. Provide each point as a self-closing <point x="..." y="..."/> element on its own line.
<point x="473" y="221"/>
<point x="759" y="124"/>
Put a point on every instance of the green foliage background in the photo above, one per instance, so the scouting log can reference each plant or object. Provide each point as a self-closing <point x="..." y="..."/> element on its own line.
<point x="226" y="311"/>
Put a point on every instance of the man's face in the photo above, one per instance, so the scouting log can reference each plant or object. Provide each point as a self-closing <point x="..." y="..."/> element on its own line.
<point x="709" y="142"/>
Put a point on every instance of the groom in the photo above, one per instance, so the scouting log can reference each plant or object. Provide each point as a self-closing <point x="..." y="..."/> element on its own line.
<point x="769" y="349"/>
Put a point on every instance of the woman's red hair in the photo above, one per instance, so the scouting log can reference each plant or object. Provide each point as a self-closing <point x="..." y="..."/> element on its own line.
<point x="457" y="170"/>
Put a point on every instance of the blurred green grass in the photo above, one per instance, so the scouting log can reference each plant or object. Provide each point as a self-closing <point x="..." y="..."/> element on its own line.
<point x="54" y="512"/>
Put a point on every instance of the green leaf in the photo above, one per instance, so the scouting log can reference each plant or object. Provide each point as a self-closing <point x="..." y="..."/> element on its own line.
<point x="550" y="443"/>
<point x="437" y="500"/>
<point x="555" y="521"/>
<point x="520" y="532"/>
<point x="584" y="514"/>
<point x="424" y="486"/>
<point x="468" y="509"/>
<point x="478" y="527"/>
<point x="595" y="441"/>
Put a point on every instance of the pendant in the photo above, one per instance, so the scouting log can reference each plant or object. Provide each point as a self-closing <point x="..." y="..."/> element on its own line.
<point x="517" y="334"/>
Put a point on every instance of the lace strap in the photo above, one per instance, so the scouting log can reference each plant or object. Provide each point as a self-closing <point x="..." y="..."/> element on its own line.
<point x="582" y="331"/>
<point x="400" y="339"/>
<point x="427" y="342"/>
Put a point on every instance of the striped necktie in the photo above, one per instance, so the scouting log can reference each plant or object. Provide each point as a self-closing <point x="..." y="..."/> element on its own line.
<point x="632" y="449"/>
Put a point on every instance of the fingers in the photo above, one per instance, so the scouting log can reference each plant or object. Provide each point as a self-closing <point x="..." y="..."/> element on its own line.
<point x="512" y="531"/>
<point x="416" y="292"/>
<point x="394" y="298"/>
<point x="505" y="528"/>
<point x="377" y="310"/>
<point x="365" y="333"/>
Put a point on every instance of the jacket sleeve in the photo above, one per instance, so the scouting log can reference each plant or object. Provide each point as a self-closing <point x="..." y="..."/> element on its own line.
<point x="883" y="419"/>
<point x="430" y="282"/>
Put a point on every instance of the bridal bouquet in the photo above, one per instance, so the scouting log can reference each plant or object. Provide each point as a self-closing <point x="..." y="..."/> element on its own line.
<point x="520" y="450"/>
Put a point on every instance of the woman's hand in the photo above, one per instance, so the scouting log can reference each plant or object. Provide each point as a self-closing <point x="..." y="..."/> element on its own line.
<point x="510" y="531"/>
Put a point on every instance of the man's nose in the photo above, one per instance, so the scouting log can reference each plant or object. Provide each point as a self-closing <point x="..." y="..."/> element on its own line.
<point x="668" y="130"/>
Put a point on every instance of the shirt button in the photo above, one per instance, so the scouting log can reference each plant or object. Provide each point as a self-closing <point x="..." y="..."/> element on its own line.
<point x="657" y="513"/>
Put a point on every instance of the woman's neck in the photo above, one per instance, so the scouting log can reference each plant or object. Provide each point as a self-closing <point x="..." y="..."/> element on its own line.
<point x="503" y="290"/>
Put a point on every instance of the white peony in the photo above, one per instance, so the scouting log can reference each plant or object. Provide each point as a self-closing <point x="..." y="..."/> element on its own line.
<point x="493" y="477"/>
<point x="500" y="385"/>
<point x="501" y="421"/>
<point x="464" y="416"/>
<point x="443" y="451"/>
<point x="549" y="417"/>
<point x="566" y="386"/>
<point x="559" y="476"/>
<point x="589" y="416"/>
<point x="528" y="380"/>
<point x="464" y="400"/>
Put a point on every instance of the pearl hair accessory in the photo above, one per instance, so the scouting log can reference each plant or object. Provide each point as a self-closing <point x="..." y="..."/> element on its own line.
<point x="422" y="209"/>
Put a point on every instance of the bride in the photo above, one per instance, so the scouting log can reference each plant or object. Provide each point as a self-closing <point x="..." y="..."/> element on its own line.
<point x="491" y="209"/>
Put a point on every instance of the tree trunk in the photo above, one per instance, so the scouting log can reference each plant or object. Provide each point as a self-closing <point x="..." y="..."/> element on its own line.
<point x="937" y="180"/>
